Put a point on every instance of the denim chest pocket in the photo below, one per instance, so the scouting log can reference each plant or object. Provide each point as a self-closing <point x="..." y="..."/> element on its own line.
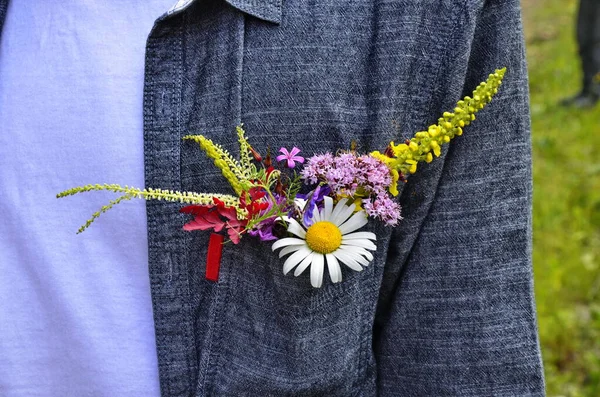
<point x="278" y="336"/>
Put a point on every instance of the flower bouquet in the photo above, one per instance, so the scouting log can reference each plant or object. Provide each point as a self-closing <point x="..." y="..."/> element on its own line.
<point x="342" y="192"/>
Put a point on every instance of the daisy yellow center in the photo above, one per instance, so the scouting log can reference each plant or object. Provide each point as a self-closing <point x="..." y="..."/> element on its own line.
<point x="323" y="237"/>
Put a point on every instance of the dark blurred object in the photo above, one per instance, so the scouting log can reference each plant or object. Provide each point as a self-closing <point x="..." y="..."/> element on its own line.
<point x="588" y="39"/>
<point x="581" y="100"/>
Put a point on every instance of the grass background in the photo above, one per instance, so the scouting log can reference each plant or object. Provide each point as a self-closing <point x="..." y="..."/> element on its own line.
<point x="566" y="213"/>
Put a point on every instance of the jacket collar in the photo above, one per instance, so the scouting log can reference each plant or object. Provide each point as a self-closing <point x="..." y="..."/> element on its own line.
<point x="267" y="10"/>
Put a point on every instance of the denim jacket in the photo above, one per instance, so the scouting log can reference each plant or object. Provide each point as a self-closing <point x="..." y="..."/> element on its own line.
<point x="446" y="308"/>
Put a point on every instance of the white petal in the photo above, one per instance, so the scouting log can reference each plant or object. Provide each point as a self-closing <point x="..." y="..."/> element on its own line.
<point x="333" y="267"/>
<point x="304" y="264"/>
<point x="338" y="208"/>
<point x="348" y="260"/>
<point x="357" y="221"/>
<point x="288" y="250"/>
<point x="366" y="254"/>
<point x="295" y="259"/>
<point x="316" y="270"/>
<point x="316" y="215"/>
<point x="358" y="251"/>
<point x="284" y="218"/>
<point x="328" y="209"/>
<point x="367" y="235"/>
<point x="284" y="242"/>
<point x="361" y="259"/>
<point x="295" y="228"/>
<point x="360" y="243"/>
<point x="300" y="203"/>
<point x="343" y="215"/>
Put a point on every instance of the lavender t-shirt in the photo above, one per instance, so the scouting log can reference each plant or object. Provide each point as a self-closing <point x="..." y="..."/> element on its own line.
<point x="75" y="310"/>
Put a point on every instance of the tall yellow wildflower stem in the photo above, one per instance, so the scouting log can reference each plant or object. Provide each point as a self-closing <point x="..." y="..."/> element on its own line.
<point x="426" y="144"/>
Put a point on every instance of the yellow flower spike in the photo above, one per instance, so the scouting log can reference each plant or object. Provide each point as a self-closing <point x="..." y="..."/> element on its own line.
<point x="399" y="149"/>
<point x="436" y="148"/>
<point x="449" y="126"/>
<point x="382" y="157"/>
<point x="245" y="155"/>
<point x="236" y="174"/>
<point x="394" y="186"/>
<point x="129" y="193"/>
<point x="433" y="131"/>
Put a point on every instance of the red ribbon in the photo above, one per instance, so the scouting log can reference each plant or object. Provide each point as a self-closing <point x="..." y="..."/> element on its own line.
<point x="213" y="257"/>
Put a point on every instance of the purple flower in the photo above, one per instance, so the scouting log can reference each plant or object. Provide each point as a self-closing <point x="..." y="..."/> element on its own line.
<point x="316" y="168"/>
<point x="347" y="174"/>
<point x="350" y="173"/>
<point x="384" y="208"/>
<point x="264" y="230"/>
<point x="374" y="174"/>
<point x="342" y="175"/>
<point x="291" y="156"/>
<point x="316" y="198"/>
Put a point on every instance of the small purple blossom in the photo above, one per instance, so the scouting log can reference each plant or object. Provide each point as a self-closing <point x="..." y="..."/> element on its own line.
<point x="384" y="208"/>
<point x="347" y="174"/>
<point x="374" y="175"/>
<point x="316" y="167"/>
<point x="291" y="156"/>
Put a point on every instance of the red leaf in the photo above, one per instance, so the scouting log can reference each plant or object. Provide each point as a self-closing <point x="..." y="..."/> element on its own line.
<point x="196" y="209"/>
<point x="215" y="217"/>
<point x="228" y="212"/>
<point x="219" y="203"/>
<point x="209" y="220"/>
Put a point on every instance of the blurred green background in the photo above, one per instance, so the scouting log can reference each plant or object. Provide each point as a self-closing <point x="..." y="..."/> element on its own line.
<point x="566" y="210"/>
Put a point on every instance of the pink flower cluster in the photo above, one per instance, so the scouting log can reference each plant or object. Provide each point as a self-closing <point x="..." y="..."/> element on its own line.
<point x="348" y="174"/>
<point x="384" y="208"/>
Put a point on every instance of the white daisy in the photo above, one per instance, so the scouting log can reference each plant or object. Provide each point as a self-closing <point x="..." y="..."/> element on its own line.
<point x="329" y="239"/>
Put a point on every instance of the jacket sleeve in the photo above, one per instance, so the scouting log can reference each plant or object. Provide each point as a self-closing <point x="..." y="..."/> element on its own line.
<point x="456" y="314"/>
<point x="3" y="8"/>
